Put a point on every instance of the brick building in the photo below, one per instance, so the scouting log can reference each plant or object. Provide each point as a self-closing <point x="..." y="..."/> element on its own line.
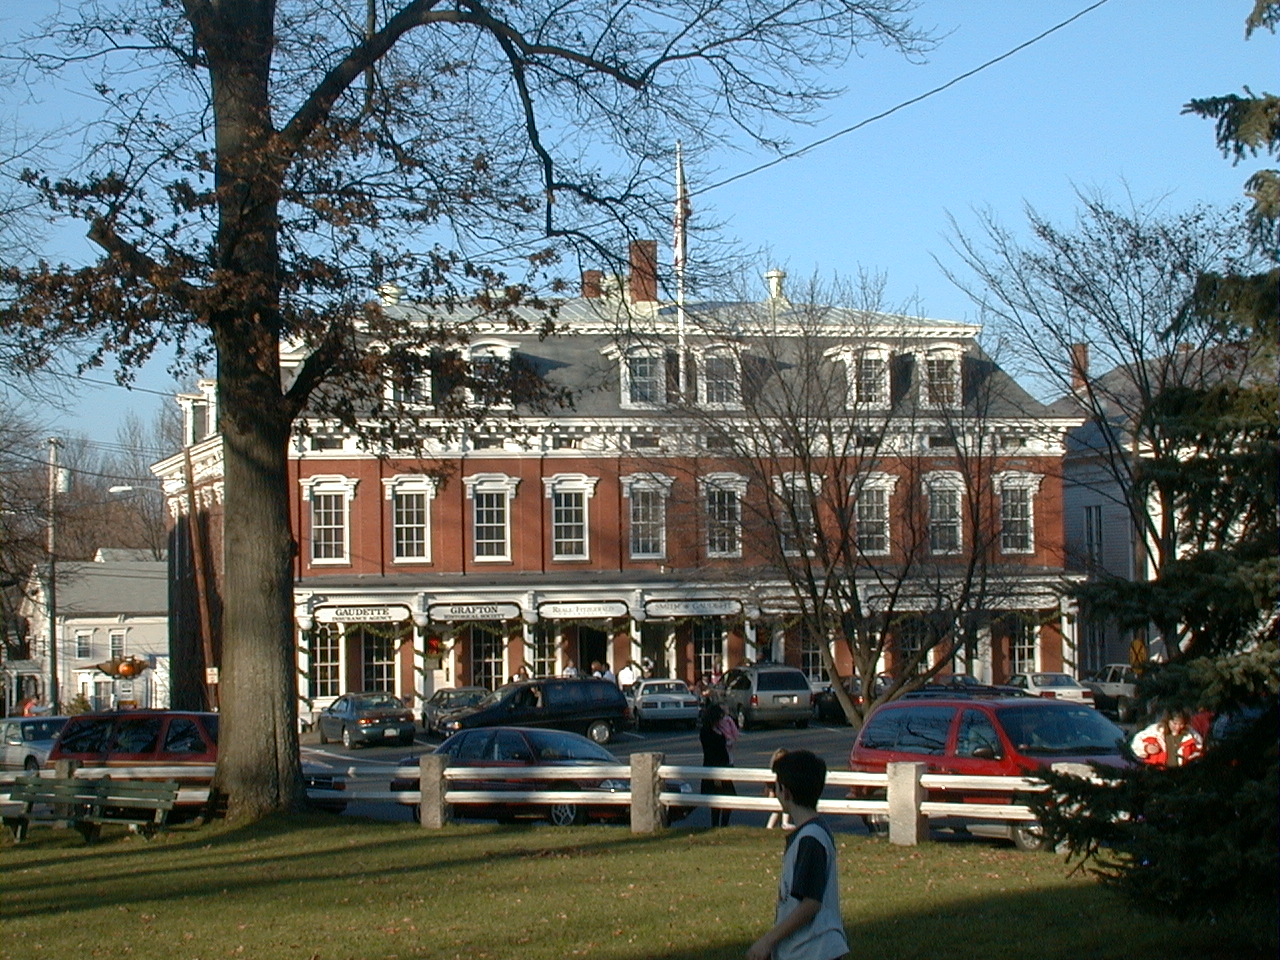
<point x="664" y="515"/>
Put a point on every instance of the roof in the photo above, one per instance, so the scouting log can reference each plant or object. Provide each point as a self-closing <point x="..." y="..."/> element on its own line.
<point x="135" y="588"/>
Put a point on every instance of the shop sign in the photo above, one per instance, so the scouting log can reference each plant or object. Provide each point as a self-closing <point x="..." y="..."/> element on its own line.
<point x="452" y="612"/>
<point x="371" y="613"/>
<point x="583" y="611"/>
<point x="693" y="608"/>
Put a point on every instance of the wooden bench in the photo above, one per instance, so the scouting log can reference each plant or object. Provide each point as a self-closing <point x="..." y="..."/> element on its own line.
<point x="87" y="804"/>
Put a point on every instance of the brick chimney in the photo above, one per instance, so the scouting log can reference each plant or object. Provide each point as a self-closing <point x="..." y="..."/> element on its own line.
<point x="593" y="284"/>
<point x="644" y="270"/>
<point x="1079" y="366"/>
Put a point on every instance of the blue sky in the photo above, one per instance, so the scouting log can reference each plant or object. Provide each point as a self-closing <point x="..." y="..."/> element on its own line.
<point x="1096" y="105"/>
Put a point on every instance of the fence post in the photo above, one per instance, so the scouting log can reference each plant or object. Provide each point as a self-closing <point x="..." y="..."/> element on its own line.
<point x="907" y="825"/>
<point x="647" y="814"/>
<point x="432" y="810"/>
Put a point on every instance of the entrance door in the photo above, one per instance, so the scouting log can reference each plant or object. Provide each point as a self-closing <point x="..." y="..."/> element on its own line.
<point x="653" y="647"/>
<point x="593" y="647"/>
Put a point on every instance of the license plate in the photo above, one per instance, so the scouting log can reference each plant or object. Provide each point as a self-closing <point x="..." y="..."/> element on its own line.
<point x="787" y="700"/>
<point x="391" y="732"/>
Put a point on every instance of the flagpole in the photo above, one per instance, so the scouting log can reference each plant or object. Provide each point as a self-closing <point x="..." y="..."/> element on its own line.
<point x="681" y="242"/>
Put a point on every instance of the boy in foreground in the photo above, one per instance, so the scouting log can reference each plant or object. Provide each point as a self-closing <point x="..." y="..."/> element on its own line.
<point x="808" y="924"/>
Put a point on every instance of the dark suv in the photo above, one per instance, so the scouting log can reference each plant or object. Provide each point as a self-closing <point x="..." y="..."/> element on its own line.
<point x="589" y="706"/>
<point x="993" y="737"/>
<point x="767" y="693"/>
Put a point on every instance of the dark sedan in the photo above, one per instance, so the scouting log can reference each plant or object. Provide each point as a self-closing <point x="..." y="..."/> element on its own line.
<point x="508" y="750"/>
<point x="451" y="698"/>
<point x="363" y="718"/>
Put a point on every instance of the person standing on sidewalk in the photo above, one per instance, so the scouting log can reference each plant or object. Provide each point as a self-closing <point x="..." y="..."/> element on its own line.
<point x="718" y="734"/>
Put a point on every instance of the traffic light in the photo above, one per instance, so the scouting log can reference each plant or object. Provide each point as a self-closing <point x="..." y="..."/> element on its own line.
<point x="126" y="668"/>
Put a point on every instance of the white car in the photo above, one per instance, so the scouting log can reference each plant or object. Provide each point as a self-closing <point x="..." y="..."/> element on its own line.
<point x="1055" y="686"/>
<point x="1115" y="690"/>
<point x="657" y="701"/>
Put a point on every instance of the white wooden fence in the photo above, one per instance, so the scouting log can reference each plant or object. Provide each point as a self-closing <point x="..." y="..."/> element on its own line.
<point x="904" y="789"/>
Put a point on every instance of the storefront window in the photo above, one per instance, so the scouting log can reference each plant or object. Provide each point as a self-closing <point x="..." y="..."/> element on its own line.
<point x="325" y="645"/>
<point x="708" y="645"/>
<point x="486" y="655"/>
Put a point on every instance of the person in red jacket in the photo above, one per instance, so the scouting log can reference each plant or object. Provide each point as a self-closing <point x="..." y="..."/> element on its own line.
<point x="1170" y="742"/>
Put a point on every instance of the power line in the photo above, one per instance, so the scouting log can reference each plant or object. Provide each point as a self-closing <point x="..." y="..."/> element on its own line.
<point x="904" y="104"/>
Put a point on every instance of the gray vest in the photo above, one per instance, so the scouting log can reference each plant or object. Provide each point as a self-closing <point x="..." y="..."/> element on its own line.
<point x="823" y="937"/>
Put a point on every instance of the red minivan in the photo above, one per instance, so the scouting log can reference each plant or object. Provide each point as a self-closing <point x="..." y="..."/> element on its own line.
<point x="168" y="740"/>
<point x="1000" y="737"/>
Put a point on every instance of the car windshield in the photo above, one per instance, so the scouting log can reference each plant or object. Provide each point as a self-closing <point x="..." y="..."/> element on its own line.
<point x="1053" y="680"/>
<point x="376" y="701"/>
<point x="672" y="687"/>
<point x="1044" y="730"/>
<point x="552" y="746"/>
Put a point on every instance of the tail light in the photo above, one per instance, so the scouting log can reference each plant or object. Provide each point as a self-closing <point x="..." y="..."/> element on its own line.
<point x="1088" y="694"/>
<point x="755" y="700"/>
<point x="1049" y="694"/>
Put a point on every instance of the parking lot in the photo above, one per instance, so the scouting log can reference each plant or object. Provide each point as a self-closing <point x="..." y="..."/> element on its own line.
<point x="677" y="745"/>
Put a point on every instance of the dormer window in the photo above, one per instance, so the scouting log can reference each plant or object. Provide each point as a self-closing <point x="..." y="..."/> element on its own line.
<point x="490" y="362"/>
<point x="720" y="384"/>
<point x="867" y="374"/>
<point x="199" y="412"/>
<point x="870" y="376"/>
<point x="410" y="391"/>
<point x="941" y="385"/>
<point x="644" y="378"/>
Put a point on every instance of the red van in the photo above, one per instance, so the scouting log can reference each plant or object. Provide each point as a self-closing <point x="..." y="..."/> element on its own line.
<point x="1001" y="737"/>
<point x="165" y="740"/>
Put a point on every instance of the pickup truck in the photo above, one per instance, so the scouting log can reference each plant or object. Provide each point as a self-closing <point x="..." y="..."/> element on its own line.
<point x="1115" y="691"/>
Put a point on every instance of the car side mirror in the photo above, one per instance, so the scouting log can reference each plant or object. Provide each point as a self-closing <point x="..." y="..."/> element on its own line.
<point x="984" y="753"/>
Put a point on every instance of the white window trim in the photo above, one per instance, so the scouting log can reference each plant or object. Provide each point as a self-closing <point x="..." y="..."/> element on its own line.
<point x="410" y="483"/>
<point x="951" y="480"/>
<point x="572" y="483"/>
<point x="951" y="352"/>
<point x="1020" y="480"/>
<point x="492" y="483"/>
<point x="789" y="483"/>
<point x="490" y="347"/>
<point x="702" y="356"/>
<point x="849" y="356"/>
<point x="328" y="485"/>
<point x="724" y="481"/>
<point x="624" y="371"/>
<point x="877" y="480"/>
<point x="654" y="482"/>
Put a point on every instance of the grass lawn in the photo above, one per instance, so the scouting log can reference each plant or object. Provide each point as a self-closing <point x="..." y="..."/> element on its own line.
<point x="321" y="888"/>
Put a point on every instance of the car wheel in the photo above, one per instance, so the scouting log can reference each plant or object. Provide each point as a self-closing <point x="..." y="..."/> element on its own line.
<point x="599" y="731"/>
<point x="31" y="765"/>
<point x="348" y="741"/>
<point x="407" y="739"/>
<point x="802" y="724"/>
<point x="567" y="815"/>
<point x="323" y="737"/>
<point x="1124" y="710"/>
<point x="742" y="718"/>
<point x="1028" y="837"/>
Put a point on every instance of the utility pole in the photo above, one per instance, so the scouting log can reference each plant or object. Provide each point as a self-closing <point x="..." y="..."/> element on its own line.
<point x="51" y="595"/>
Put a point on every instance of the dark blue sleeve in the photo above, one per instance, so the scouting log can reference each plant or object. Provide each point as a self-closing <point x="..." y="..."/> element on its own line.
<point x="809" y="877"/>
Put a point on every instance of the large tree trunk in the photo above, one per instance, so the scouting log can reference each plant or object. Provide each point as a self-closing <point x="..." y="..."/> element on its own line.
<point x="258" y="764"/>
